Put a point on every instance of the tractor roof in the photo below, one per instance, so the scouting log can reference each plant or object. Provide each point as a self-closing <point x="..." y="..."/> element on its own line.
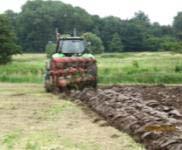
<point x="72" y="38"/>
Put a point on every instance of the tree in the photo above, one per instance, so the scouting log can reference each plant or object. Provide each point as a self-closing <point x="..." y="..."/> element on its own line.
<point x="35" y="26"/>
<point x="116" y="44"/>
<point x="134" y="37"/>
<point x="136" y="32"/>
<point x="108" y="27"/>
<point x="96" y="45"/>
<point x="37" y="22"/>
<point x="141" y="18"/>
<point x="177" y="25"/>
<point x="12" y="18"/>
<point x="8" y="45"/>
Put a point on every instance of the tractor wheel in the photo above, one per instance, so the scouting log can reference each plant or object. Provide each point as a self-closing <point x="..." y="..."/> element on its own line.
<point x="92" y="70"/>
<point x="48" y="82"/>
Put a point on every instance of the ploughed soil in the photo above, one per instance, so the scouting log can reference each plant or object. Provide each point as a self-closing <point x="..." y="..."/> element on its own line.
<point x="152" y="115"/>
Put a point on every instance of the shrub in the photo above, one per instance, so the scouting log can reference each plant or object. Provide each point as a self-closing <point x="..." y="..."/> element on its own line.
<point x="178" y="68"/>
<point x="172" y="45"/>
<point x="50" y="49"/>
<point x="135" y="64"/>
<point x="96" y="45"/>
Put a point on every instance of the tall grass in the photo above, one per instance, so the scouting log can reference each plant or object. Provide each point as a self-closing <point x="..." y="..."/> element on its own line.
<point x="24" y="68"/>
<point x="145" y="67"/>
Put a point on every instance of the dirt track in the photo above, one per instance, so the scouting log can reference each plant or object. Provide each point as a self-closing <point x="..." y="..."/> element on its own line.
<point x="152" y="115"/>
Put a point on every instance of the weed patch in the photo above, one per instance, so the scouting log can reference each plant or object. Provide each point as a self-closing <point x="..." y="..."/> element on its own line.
<point x="11" y="139"/>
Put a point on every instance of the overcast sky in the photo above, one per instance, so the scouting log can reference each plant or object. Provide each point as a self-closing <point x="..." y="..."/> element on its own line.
<point x="161" y="11"/>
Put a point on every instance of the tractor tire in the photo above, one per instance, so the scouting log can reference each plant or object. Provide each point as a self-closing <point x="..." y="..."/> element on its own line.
<point x="92" y="70"/>
<point x="47" y="82"/>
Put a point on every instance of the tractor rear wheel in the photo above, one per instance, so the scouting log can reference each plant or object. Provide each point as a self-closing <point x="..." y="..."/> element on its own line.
<point x="92" y="70"/>
<point x="47" y="82"/>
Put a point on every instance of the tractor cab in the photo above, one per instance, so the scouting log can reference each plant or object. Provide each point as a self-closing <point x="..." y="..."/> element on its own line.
<point x="71" y="46"/>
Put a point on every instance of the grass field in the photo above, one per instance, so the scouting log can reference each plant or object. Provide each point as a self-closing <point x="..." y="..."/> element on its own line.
<point x="34" y="120"/>
<point x="127" y="68"/>
<point x="146" y="67"/>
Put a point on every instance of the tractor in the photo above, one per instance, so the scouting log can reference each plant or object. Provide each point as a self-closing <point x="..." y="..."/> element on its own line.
<point x="71" y="66"/>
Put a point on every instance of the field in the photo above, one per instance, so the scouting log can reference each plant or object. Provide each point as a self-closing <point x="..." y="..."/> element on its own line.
<point x="152" y="115"/>
<point x="127" y="68"/>
<point x="146" y="104"/>
<point x="34" y="120"/>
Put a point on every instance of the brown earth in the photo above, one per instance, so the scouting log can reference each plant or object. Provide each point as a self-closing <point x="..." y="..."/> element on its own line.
<point x="151" y="114"/>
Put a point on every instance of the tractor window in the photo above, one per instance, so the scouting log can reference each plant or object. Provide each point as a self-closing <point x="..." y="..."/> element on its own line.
<point x="72" y="46"/>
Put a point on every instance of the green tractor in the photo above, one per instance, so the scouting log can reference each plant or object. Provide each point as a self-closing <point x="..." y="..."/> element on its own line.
<point x="70" y="66"/>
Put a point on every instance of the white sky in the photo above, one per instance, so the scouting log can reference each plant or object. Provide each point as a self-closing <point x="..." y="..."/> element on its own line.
<point x="161" y="11"/>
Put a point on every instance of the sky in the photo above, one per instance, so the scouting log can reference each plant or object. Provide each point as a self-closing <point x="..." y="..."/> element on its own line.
<point x="162" y="11"/>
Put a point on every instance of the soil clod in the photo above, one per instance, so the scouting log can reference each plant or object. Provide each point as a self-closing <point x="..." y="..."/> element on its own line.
<point x="151" y="114"/>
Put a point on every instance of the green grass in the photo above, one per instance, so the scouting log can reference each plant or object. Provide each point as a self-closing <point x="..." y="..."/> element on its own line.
<point x="24" y="68"/>
<point x="10" y="138"/>
<point x="127" y="68"/>
<point x="49" y="140"/>
<point x="145" y="67"/>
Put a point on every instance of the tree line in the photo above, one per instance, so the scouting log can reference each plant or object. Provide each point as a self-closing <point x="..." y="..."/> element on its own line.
<point x="35" y="25"/>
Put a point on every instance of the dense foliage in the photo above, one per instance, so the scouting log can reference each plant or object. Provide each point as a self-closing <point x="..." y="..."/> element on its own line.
<point x="8" y="45"/>
<point x="94" y="43"/>
<point x="35" y="26"/>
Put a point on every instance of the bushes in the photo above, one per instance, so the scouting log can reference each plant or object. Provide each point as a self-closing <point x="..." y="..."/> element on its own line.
<point x="164" y="44"/>
<point x="172" y="46"/>
<point x="50" y="49"/>
<point x="178" y="68"/>
<point x="135" y="64"/>
<point x="96" y="45"/>
<point x="153" y="43"/>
